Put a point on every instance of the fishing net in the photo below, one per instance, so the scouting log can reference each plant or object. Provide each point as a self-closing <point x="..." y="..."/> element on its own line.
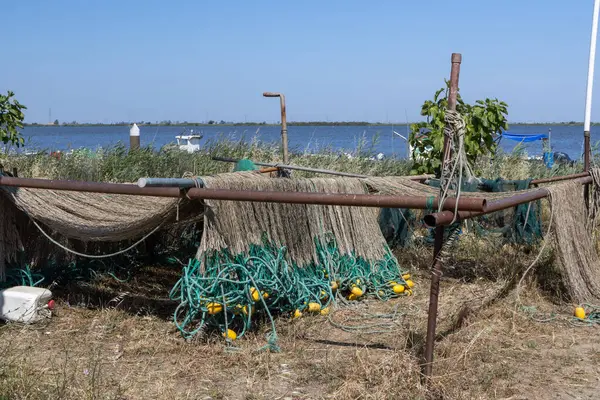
<point x="577" y="254"/>
<point x="82" y="221"/>
<point x="397" y="226"/>
<point x="520" y="225"/>
<point x="266" y="258"/>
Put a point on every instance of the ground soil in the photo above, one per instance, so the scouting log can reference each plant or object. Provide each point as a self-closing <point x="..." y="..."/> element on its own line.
<point x="113" y="340"/>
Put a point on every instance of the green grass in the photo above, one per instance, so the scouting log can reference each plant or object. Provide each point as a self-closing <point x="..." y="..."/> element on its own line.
<point x="118" y="164"/>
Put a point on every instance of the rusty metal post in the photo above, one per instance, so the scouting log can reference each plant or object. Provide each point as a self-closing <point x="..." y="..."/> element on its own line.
<point x="439" y="233"/>
<point x="284" y="137"/>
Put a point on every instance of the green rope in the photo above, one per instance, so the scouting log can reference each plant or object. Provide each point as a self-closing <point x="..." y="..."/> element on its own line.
<point x="429" y="202"/>
<point x="227" y="291"/>
<point x="592" y="316"/>
<point x="369" y="323"/>
<point x="22" y="277"/>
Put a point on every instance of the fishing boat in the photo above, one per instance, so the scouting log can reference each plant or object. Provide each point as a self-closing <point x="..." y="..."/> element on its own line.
<point x="189" y="142"/>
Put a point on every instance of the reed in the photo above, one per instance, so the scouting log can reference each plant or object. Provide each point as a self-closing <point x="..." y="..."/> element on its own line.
<point x="117" y="164"/>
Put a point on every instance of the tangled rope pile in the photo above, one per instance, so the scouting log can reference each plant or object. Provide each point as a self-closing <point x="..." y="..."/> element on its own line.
<point x="228" y="292"/>
<point x="458" y="166"/>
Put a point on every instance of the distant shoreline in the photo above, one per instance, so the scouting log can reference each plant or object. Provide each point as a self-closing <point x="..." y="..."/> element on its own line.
<point x="312" y="123"/>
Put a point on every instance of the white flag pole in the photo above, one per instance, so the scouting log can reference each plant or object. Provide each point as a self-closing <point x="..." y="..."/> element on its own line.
<point x="590" y="84"/>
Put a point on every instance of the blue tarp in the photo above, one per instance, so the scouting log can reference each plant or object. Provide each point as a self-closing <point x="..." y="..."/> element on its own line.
<point x="524" y="138"/>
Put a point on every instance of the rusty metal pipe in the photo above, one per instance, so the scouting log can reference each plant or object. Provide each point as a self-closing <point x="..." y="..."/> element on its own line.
<point x="94" y="187"/>
<point x="559" y="178"/>
<point x="436" y="272"/>
<point x="268" y="169"/>
<point x="183" y="183"/>
<point x="284" y="137"/>
<point x="342" y="199"/>
<point x="444" y="218"/>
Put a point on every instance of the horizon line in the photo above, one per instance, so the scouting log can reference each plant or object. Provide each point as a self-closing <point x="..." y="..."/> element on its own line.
<point x="265" y="123"/>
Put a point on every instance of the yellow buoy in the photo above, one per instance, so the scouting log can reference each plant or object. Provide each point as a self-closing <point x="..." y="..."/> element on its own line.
<point x="406" y="276"/>
<point x="356" y="291"/>
<point x="238" y="309"/>
<point x="324" y="294"/>
<point x="580" y="312"/>
<point x="314" y="307"/>
<point x="245" y="310"/>
<point x="392" y="283"/>
<point x="265" y="295"/>
<point x="214" y="308"/>
<point x="352" y="296"/>
<point x="230" y="335"/>
<point x="410" y="283"/>
<point x="324" y="310"/>
<point x="297" y="314"/>
<point x="254" y="294"/>
<point x="334" y="285"/>
<point x="398" y="289"/>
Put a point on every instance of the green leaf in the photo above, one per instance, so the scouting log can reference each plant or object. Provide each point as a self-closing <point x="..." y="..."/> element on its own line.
<point x="11" y="118"/>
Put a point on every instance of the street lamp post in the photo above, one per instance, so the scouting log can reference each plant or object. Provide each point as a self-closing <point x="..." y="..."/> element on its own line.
<point x="284" y="138"/>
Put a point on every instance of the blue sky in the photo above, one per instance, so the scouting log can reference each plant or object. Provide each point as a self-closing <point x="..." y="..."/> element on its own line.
<point x="108" y="60"/>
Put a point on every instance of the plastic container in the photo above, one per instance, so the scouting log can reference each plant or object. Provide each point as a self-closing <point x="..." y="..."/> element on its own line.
<point x="25" y="304"/>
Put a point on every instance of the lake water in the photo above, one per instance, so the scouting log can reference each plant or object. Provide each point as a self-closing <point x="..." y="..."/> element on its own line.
<point x="568" y="139"/>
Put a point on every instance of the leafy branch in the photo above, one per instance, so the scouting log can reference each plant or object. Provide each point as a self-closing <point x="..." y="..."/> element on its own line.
<point x="484" y="122"/>
<point x="11" y="118"/>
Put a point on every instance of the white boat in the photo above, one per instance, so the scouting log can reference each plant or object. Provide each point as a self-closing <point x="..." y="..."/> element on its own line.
<point x="189" y="143"/>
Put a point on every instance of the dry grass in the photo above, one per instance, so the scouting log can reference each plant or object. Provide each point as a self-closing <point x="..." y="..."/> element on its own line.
<point x="115" y="340"/>
<point x="128" y="348"/>
<point x="110" y="354"/>
<point x="507" y="353"/>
